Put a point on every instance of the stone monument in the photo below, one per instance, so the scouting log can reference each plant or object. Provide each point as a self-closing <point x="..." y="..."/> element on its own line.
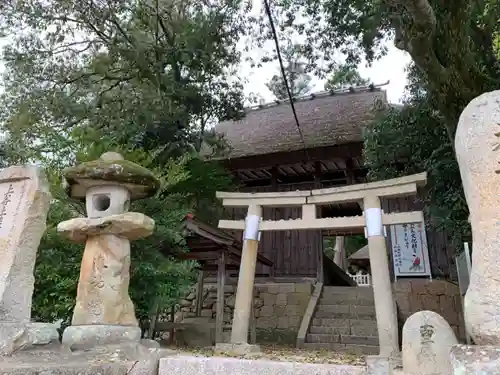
<point x="104" y="313"/>
<point x="24" y="204"/>
<point x="477" y="145"/>
<point x="427" y="341"/>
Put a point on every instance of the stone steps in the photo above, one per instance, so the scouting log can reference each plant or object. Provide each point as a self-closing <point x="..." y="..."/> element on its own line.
<point x="361" y="291"/>
<point x="351" y="327"/>
<point x="345" y="311"/>
<point x="344" y="320"/>
<point x="334" y="300"/>
<point x="350" y="348"/>
<point x="342" y="339"/>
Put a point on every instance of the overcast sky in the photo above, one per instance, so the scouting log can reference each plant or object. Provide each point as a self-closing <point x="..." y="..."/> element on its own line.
<point x="390" y="68"/>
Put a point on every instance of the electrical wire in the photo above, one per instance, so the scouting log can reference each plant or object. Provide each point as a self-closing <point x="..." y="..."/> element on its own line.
<point x="283" y="74"/>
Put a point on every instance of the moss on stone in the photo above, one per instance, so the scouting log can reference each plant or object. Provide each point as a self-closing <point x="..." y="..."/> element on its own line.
<point x="118" y="171"/>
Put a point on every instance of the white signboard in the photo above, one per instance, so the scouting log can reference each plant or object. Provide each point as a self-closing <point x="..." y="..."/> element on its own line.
<point x="410" y="253"/>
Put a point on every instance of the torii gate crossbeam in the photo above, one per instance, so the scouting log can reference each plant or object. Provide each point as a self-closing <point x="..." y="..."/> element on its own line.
<point x="373" y="220"/>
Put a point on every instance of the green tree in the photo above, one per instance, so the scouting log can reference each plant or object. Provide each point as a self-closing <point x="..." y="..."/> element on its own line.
<point x="150" y="73"/>
<point x="143" y="78"/>
<point x="454" y="44"/>
<point x="299" y="81"/>
<point x="413" y="139"/>
<point x="345" y="76"/>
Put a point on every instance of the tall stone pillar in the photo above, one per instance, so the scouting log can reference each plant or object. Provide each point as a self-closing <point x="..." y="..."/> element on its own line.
<point x="244" y="292"/>
<point x="477" y="146"/>
<point x="385" y="304"/>
<point x="24" y="204"/>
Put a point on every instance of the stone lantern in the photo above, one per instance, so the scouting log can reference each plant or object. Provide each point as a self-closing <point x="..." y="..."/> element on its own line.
<point x="104" y="312"/>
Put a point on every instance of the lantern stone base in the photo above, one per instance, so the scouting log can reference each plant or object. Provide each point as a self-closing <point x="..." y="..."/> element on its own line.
<point x="130" y="225"/>
<point x="89" y="336"/>
<point x="56" y="359"/>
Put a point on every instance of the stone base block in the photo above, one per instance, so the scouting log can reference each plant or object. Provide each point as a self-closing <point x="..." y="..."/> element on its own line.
<point x="475" y="359"/>
<point x="123" y="359"/>
<point x="377" y="365"/>
<point x="188" y="365"/>
<point x="237" y="349"/>
<point x="15" y="336"/>
<point x="90" y="336"/>
<point x="381" y="365"/>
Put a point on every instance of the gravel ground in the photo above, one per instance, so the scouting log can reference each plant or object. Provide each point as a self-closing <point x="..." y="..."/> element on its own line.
<point x="280" y="353"/>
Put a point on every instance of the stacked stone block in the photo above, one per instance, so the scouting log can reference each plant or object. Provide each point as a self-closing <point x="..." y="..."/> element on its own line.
<point x="440" y="296"/>
<point x="279" y="307"/>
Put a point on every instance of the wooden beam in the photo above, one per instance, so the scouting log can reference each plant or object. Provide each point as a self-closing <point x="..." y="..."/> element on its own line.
<point x="319" y="249"/>
<point x="221" y="280"/>
<point x="317" y="175"/>
<point x="335" y="176"/>
<point x="215" y="267"/>
<point x="274" y="177"/>
<point x="236" y="254"/>
<point x="337" y="152"/>
<point x="199" y="292"/>
<point x="349" y="172"/>
<point x="320" y="271"/>
<point x="202" y="255"/>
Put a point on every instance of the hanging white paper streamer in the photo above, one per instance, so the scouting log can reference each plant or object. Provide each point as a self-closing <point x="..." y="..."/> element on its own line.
<point x="252" y="227"/>
<point x="373" y="217"/>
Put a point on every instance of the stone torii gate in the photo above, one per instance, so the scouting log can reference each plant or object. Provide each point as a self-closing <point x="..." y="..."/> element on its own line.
<point x="373" y="221"/>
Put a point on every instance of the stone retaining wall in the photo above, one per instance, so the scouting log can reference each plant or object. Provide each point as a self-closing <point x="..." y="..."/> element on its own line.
<point x="279" y="308"/>
<point x="440" y="296"/>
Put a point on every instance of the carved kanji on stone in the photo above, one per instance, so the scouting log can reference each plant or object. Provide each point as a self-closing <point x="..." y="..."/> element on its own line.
<point x="477" y="145"/>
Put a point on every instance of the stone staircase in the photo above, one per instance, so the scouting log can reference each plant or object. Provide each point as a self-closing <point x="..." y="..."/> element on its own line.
<point x="344" y="320"/>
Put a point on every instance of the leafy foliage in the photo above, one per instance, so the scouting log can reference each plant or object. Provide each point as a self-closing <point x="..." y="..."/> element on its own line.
<point x="146" y="79"/>
<point x="345" y="76"/>
<point x="354" y="243"/>
<point x="412" y="139"/>
<point x="299" y="82"/>
<point x="453" y="44"/>
<point x="150" y="73"/>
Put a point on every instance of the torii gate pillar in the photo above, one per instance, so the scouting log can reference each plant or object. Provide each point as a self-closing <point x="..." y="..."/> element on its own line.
<point x="373" y="220"/>
<point x="385" y="304"/>
<point x="244" y="292"/>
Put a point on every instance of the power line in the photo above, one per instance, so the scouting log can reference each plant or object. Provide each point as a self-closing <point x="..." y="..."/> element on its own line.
<point x="283" y="73"/>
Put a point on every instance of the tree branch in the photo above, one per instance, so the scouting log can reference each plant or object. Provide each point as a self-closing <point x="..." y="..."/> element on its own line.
<point x="417" y="39"/>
